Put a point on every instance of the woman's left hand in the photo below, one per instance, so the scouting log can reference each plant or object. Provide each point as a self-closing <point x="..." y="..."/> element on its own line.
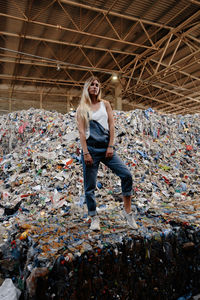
<point x="109" y="152"/>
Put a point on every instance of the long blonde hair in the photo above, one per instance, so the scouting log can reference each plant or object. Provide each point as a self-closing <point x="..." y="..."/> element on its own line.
<point x="85" y="102"/>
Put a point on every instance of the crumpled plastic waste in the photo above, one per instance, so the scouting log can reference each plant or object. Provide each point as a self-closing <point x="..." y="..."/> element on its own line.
<point x="8" y="291"/>
<point x="31" y="281"/>
<point x="43" y="214"/>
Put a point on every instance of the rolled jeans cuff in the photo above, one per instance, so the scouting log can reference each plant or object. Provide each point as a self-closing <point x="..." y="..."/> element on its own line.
<point x="128" y="193"/>
<point x="92" y="213"/>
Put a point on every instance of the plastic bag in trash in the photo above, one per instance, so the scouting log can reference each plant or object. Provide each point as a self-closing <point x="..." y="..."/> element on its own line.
<point x="8" y="291"/>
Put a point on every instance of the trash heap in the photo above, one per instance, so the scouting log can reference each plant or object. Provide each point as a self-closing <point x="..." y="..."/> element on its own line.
<point x="46" y="247"/>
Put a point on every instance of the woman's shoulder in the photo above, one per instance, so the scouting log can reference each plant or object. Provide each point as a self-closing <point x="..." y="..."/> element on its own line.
<point x="105" y="102"/>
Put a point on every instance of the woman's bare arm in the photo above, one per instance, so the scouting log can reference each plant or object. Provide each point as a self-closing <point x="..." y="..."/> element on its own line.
<point x="110" y="150"/>
<point x="110" y="122"/>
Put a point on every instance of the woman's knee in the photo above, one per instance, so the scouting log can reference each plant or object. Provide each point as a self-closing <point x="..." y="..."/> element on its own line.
<point x="129" y="177"/>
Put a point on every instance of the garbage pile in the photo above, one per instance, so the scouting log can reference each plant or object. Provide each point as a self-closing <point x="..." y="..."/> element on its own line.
<point x="46" y="246"/>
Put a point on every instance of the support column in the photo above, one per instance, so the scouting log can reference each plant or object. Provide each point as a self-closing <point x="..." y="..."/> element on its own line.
<point x="69" y="100"/>
<point x="41" y="100"/>
<point x="10" y="102"/>
<point x="118" y="96"/>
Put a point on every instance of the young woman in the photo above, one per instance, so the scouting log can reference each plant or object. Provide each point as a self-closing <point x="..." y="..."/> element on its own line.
<point x="96" y="129"/>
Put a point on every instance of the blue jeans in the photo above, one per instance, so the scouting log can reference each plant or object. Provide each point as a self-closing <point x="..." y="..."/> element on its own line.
<point x="90" y="176"/>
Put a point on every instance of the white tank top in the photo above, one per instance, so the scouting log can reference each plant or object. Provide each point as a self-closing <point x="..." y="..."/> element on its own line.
<point x="101" y="116"/>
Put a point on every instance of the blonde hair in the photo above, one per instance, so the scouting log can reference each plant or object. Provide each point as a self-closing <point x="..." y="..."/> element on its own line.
<point x="85" y="102"/>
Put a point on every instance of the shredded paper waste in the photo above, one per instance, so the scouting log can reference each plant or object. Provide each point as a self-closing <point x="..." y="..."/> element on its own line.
<point x="44" y="225"/>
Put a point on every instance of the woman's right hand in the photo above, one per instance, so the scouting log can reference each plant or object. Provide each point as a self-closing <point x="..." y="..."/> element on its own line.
<point x="88" y="159"/>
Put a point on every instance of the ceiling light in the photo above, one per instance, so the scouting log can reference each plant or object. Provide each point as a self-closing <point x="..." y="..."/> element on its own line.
<point x="114" y="77"/>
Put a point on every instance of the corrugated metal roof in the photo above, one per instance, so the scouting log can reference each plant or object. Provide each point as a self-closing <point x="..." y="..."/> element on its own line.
<point x="154" y="47"/>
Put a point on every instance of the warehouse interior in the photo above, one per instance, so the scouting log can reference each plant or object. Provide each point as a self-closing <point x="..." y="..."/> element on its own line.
<point x="145" y="53"/>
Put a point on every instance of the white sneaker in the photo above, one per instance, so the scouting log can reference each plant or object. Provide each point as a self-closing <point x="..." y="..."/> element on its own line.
<point x="129" y="219"/>
<point x="95" y="223"/>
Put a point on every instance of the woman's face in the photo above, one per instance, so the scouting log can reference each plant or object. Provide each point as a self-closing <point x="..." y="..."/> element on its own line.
<point x="94" y="88"/>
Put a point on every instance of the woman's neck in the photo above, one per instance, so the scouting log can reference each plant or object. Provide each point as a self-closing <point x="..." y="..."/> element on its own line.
<point x="93" y="99"/>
